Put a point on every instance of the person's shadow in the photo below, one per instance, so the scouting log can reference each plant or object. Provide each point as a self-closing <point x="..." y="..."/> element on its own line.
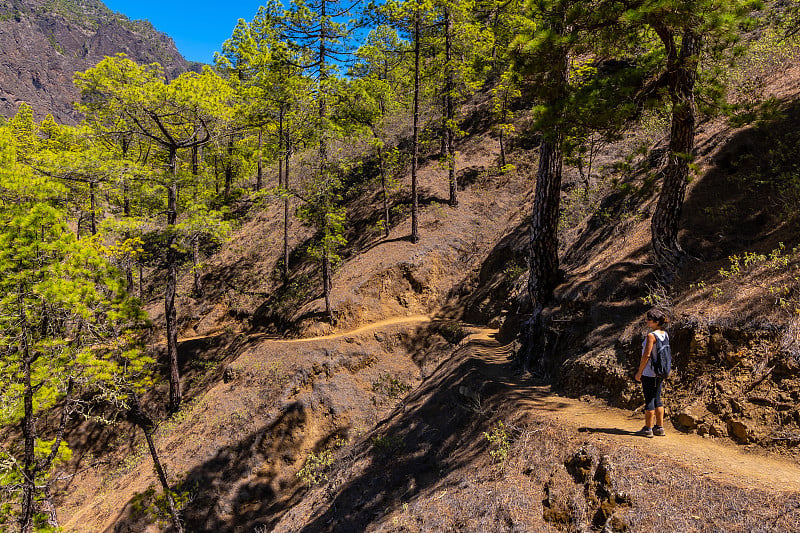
<point x="607" y="431"/>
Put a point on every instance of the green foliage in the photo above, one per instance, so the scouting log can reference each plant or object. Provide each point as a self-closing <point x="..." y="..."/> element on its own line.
<point x="513" y="271"/>
<point x="774" y="277"/>
<point x="315" y="468"/>
<point x="387" y="443"/>
<point x="317" y="465"/>
<point x="453" y="332"/>
<point x="764" y="59"/>
<point x="499" y="442"/>
<point x="154" y="504"/>
<point x="66" y="322"/>
<point x="390" y="386"/>
<point x="749" y="267"/>
<point x="657" y="296"/>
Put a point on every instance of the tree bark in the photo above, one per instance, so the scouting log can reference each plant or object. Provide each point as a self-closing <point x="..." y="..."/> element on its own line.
<point x="327" y="284"/>
<point x="287" y="154"/>
<point x="170" y="312"/>
<point x="382" y="167"/>
<point x="544" y="276"/>
<point x="449" y="111"/>
<point x="142" y="420"/>
<point x="682" y="76"/>
<point x="544" y="265"/>
<point x="229" y="169"/>
<point x="260" y="168"/>
<point x="28" y="427"/>
<point x="93" y="207"/>
<point x="415" y="142"/>
<point x="197" y="285"/>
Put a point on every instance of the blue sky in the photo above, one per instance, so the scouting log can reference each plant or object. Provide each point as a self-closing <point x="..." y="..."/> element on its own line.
<point x="198" y="27"/>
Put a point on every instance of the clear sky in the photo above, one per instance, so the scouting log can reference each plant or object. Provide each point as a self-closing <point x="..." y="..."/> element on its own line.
<point x="198" y="27"/>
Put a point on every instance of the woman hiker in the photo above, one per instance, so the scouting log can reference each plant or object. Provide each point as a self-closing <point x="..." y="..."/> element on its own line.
<point x="651" y="384"/>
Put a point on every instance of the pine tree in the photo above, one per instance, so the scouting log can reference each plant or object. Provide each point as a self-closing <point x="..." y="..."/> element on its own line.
<point x="65" y="322"/>
<point x="122" y="97"/>
<point x="687" y="30"/>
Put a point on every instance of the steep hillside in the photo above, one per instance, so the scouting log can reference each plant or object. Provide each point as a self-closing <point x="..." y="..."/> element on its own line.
<point x="411" y="413"/>
<point x="44" y="42"/>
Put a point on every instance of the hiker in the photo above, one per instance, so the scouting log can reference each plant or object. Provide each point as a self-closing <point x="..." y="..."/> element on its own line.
<point x="649" y="378"/>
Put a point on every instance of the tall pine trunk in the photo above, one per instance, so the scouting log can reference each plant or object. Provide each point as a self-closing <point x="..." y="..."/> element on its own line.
<point x="197" y="281"/>
<point x="93" y="204"/>
<point x="229" y="169"/>
<point x="544" y="264"/>
<point x="141" y="419"/>
<point x="382" y="168"/>
<point x="287" y="155"/>
<point x="28" y="427"/>
<point x="449" y="111"/>
<point x="260" y="160"/>
<point x="170" y="312"/>
<point x="415" y="142"/>
<point x="682" y="76"/>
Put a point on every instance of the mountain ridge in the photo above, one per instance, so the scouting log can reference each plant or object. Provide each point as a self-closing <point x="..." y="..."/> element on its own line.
<point x="46" y="41"/>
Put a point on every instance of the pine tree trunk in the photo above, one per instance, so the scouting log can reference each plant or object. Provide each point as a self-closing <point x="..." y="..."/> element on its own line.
<point x="682" y="72"/>
<point x="288" y="154"/>
<point x="93" y="203"/>
<point x="260" y="161"/>
<point x="544" y="271"/>
<point x="415" y="142"/>
<point x="544" y="275"/>
<point x="195" y="160"/>
<point x="327" y="284"/>
<point x="197" y="285"/>
<point x="382" y="167"/>
<point x="280" y="147"/>
<point x="450" y="112"/>
<point x="129" y="283"/>
<point x="170" y="312"/>
<point x="146" y="424"/>
<point x="502" y="150"/>
<point x="28" y="428"/>
<point x="229" y="169"/>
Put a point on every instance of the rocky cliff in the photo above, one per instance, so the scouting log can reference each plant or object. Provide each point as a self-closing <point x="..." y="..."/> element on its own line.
<point x="44" y="42"/>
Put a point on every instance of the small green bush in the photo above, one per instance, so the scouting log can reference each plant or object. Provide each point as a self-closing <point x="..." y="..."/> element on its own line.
<point x="390" y="386"/>
<point x="499" y="442"/>
<point x="315" y="469"/>
<point x="453" y="332"/>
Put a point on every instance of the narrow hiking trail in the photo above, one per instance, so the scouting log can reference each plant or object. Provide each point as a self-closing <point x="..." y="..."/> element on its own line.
<point x="716" y="459"/>
<point x="413" y="319"/>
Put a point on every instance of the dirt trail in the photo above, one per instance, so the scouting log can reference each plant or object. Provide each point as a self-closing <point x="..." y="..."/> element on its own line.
<point x="413" y="319"/>
<point x="720" y="460"/>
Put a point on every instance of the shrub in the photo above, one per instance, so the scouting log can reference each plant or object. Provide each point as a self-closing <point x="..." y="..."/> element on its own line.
<point x="499" y="442"/>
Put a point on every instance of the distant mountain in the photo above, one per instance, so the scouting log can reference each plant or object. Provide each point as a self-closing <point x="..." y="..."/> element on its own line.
<point x="44" y="42"/>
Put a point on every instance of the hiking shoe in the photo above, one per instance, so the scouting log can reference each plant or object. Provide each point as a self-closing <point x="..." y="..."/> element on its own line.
<point x="658" y="431"/>
<point x="644" y="432"/>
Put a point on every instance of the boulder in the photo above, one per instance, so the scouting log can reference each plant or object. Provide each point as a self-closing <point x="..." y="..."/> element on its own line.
<point x="739" y="431"/>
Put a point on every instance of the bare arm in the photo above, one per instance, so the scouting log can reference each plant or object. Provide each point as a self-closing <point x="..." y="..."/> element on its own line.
<point x="648" y="349"/>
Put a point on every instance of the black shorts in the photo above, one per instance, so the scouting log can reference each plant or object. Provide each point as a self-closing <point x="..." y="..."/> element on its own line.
<point x="651" y="387"/>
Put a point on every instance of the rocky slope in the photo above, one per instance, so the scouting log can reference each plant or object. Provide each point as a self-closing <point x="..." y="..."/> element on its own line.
<point x="44" y="42"/>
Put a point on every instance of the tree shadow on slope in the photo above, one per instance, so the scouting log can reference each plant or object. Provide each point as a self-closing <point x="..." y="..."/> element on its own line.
<point x="202" y="363"/>
<point x="246" y="485"/>
<point x="437" y="429"/>
<point x="748" y="199"/>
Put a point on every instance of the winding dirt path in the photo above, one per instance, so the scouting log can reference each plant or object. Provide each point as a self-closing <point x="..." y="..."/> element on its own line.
<point x="413" y="319"/>
<point x="717" y="459"/>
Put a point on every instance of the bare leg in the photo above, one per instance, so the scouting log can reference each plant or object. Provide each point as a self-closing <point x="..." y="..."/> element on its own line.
<point x="648" y="417"/>
<point x="659" y="416"/>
